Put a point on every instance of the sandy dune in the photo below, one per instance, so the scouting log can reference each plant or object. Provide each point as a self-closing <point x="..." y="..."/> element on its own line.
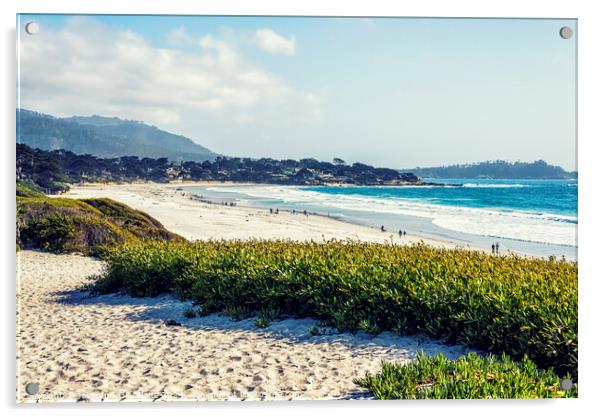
<point x="118" y="348"/>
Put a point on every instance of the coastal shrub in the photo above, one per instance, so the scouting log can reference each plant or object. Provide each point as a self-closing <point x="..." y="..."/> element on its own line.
<point x="189" y="313"/>
<point x="27" y="189"/>
<point x="468" y="377"/>
<point x="262" y="322"/>
<point x="502" y="304"/>
<point x="238" y="313"/>
<point x="265" y="317"/>
<point x="134" y="221"/>
<point x="316" y="330"/>
<point x="66" y="225"/>
<point x="53" y="233"/>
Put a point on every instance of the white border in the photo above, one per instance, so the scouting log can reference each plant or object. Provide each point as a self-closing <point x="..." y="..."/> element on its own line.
<point x="590" y="243"/>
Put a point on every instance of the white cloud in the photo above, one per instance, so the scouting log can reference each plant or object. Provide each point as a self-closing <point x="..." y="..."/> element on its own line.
<point x="178" y="36"/>
<point x="88" y="68"/>
<point x="274" y="43"/>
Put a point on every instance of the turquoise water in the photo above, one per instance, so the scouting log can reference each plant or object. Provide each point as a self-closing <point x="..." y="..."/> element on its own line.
<point x="537" y="217"/>
<point x="539" y="196"/>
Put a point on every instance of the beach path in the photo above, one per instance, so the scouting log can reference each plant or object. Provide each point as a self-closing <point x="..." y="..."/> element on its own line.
<point x="118" y="348"/>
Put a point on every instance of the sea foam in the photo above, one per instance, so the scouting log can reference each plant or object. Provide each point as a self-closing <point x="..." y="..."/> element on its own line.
<point x="500" y="223"/>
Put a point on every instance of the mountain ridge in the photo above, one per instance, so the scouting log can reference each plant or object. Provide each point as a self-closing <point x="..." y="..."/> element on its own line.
<point x="106" y="137"/>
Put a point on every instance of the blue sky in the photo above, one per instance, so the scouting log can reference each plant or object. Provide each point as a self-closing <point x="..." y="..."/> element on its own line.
<point x="385" y="91"/>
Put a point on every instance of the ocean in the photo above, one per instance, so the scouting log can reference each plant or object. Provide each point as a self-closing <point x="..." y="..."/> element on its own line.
<point x="535" y="217"/>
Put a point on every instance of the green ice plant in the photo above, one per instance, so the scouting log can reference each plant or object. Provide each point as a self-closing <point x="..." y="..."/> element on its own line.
<point x="468" y="377"/>
<point x="508" y="305"/>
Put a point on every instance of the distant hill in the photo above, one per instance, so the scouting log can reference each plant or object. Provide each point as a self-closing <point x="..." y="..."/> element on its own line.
<point x="496" y="170"/>
<point x="105" y="137"/>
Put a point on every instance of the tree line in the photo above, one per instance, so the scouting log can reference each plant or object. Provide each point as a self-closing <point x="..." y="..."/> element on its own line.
<point x="53" y="170"/>
<point x="497" y="170"/>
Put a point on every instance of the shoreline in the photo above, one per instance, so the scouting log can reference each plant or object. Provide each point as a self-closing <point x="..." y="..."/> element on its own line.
<point x="324" y="184"/>
<point x="200" y="183"/>
<point x="185" y="215"/>
<point x="425" y="227"/>
<point x="198" y="216"/>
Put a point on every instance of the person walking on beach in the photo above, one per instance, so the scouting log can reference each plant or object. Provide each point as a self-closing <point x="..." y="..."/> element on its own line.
<point x="404" y="232"/>
<point x="400" y="233"/>
<point x="493" y="248"/>
<point x="497" y="247"/>
<point x="382" y="228"/>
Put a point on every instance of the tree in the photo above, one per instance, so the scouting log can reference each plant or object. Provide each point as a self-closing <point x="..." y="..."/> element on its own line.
<point x="338" y="161"/>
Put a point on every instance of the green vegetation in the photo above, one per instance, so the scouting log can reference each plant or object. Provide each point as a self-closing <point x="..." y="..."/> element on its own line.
<point x="498" y="170"/>
<point x="87" y="226"/>
<point x="52" y="169"/>
<point x="265" y="317"/>
<point x="94" y="149"/>
<point x="190" y="313"/>
<point x="27" y="189"/>
<point x="316" y="330"/>
<point x="39" y="171"/>
<point x="468" y="377"/>
<point x="138" y="223"/>
<point x="262" y="322"/>
<point x="502" y="304"/>
<point x="106" y="137"/>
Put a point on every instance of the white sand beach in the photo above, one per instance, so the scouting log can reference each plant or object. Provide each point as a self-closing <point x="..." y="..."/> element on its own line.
<point x="119" y="348"/>
<point x="196" y="220"/>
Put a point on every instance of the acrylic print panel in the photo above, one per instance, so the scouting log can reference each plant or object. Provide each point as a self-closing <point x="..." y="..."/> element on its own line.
<point x="274" y="208"/>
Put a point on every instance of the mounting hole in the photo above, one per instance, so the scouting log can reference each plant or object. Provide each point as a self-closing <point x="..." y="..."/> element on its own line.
<point x="32" y="388"/>
<point x="32" y="28"/>
<point x="566" y="384"/>
<point x="566" y="32"/>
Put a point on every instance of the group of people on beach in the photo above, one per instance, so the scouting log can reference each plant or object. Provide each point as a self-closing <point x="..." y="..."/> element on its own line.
<point x="204" y="199"/>
<point x="401" y="232"/>
<point x="495" y="248"/>
<point x="293" y="212"/>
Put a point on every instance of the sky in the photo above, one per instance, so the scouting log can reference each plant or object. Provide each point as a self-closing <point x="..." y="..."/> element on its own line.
<point x="393" y="92"/>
